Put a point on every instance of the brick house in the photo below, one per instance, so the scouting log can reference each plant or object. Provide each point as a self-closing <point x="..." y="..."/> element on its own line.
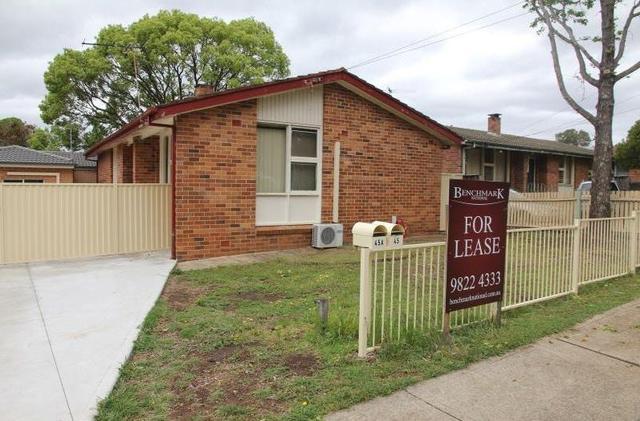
<point x="253" y="168"/>
<point x="23" y="165"/>
<point x="529" y="164"/>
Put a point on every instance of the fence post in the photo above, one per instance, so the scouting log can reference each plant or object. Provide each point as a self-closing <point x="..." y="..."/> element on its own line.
<point x="578" y="207"/>
<point x="2" y="213"/>
<point x="575" y="274"/>
<point x="633" y="249"/>
<point x="365" y="301"/>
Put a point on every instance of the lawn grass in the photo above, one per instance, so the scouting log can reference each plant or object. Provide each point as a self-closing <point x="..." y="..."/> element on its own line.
<point x="244" y="342"/>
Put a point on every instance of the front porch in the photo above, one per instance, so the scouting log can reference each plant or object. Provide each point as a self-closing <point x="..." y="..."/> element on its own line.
<point x="526" y="171"/>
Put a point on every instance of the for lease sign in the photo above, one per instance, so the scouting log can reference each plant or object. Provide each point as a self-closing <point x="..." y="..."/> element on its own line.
<point x="476" y="240"/>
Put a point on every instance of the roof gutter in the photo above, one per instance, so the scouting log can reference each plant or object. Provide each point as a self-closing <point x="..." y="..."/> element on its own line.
<point x="473" y="144"/>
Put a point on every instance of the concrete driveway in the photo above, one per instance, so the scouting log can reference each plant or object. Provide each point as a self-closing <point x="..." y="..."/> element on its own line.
<point x="67" y="327"/>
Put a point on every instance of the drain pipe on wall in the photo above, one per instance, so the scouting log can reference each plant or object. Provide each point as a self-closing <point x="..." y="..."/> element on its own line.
<point x="336" y="181"/>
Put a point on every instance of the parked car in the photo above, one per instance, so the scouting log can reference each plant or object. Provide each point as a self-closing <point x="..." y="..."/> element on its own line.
<point x="585" y="186"/>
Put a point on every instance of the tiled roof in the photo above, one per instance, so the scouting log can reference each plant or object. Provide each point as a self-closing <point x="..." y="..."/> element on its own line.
<point x="77" y="157"/>
<point x="15" y="154"/>
<point x="520" y="142"/>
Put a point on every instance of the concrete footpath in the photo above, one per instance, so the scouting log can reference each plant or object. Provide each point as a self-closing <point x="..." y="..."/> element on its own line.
<point x="590" y="372"/>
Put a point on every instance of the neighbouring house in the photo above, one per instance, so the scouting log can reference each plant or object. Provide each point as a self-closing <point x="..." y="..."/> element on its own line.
<point x="23" y="165"/>
<point x="529" y="164"/>
<point x="253" y="168"/>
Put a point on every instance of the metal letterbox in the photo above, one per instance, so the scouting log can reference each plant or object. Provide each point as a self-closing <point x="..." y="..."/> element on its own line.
<point x="395" y="233"/>
<point x="371" y="236"/>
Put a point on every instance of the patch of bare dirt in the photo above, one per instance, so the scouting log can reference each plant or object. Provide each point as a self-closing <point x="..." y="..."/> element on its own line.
<point x="181" y="294"/>
<point x="302" y="364"/>
<point x="225" y="376"/>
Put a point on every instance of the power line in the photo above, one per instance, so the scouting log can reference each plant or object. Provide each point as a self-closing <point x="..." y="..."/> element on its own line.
<point x="407" y="50"/>
<point x="383" y="55"/>
<point x="579" y="122"/>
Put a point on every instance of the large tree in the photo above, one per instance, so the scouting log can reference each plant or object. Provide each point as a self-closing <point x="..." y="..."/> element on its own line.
<point x="563" y="20"/>
<point x="14" y="131"/>
<point x="67" y="137"/>
<point x="628" y="151"/>
<point x="574" y="137"/>
<point x="154" y="60"/>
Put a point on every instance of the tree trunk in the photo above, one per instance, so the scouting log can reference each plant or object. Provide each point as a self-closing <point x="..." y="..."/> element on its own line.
<point x="601" y="170"/>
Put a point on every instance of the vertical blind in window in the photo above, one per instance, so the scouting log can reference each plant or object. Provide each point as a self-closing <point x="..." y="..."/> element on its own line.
<point x="271" y="153"/>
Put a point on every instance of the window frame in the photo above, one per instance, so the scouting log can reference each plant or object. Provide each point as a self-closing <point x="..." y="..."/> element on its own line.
<point x="289" y="159"/>
<point x="567" y="179"/>
<point x="488" y="164"/>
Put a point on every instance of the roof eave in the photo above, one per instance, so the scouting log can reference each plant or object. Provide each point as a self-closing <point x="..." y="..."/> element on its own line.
<point x="470" y="143"/>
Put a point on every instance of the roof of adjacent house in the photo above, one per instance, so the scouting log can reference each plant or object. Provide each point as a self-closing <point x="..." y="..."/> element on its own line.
<point x="19" y="155"/>
<point x="78" y="158"/>
<point x="515" y="142"/>
<point x="229" y="96"/>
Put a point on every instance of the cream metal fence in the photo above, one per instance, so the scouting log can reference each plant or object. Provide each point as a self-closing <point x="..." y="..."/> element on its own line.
<point x="402" y="289"/>
<point x="560" y="208"/>
<point x="62" y="221"/>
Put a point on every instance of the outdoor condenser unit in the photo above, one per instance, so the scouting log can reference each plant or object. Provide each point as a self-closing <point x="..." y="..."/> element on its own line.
<point x="326" y="236"/>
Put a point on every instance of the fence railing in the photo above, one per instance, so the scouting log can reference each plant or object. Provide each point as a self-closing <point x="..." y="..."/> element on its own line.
<point x="62" y="221"/>
<point x="403" y="291"/>
<point x="560" y="208"/>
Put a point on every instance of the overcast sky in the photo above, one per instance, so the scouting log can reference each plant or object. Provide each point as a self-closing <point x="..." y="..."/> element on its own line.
<point x="505" y="68"/>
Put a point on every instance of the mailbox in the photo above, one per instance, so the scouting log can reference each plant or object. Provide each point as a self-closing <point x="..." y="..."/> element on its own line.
<point x="395" y="233"/>
<point x="371" y="236"/>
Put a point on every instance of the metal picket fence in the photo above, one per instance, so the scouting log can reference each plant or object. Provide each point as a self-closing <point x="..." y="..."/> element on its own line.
<point x="405" y="287"/>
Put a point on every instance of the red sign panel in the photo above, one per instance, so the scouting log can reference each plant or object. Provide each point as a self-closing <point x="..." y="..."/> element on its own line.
<point x="476" y="241"/>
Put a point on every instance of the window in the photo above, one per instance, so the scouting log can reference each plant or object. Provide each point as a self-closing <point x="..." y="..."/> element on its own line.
<point x="271" y="160"/>
<point x="565" y="170"/>
<point x="287" y="175"/>
<point x="23" y="181"/>
<point x="488" y="165"/>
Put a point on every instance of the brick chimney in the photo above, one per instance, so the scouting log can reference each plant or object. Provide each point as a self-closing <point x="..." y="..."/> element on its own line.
<point x="494" y="123"/>
<point x="203" y="89"/>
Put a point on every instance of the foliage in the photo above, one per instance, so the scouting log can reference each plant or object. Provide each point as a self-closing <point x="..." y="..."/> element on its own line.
<point x="218" y="343"/>
<point x="574" y="137"/>
<point x="627" y="153"/>
<point x="155" y="60"/>
<point x="68" y="137"/>
<point x="14" y="131"/>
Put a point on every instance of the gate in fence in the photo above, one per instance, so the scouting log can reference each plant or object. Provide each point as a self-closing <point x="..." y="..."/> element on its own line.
<point x="403" y="289"/>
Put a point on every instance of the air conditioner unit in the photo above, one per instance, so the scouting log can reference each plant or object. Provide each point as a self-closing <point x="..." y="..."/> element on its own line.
<point x="326" y="236"/>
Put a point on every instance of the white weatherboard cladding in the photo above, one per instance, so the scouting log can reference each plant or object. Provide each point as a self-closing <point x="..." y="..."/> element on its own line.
<point x="302" y="106"/>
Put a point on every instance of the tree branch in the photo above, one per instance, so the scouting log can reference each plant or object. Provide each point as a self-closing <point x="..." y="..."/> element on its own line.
<point x="633" y="13"/>
<point x="627" y="72"/>
<point x="563" y="89"/>
<point x="570" y="39"/>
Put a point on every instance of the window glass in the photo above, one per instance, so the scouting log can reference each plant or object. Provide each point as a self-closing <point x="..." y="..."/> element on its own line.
<point x="488" y="173"/>
<point x="488" y="156"/>
<point x="303" y="176"/>
<point x="271" y="154"/>
<point x="304" y="143"/>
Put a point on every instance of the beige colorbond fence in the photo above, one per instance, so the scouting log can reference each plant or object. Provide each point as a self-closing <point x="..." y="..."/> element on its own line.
<point x="404" y="291"/>
<point x="62" y="221"/>
<point x="559" y="208"/>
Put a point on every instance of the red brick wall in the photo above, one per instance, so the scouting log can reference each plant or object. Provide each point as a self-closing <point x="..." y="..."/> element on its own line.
<point x="146" y="168"/>
<point x="549" y="172"/>
<point x="583" y="166"/>
<point x="216" y="183"/>
<point x="634" y="175"/>
<point x="518" y="174"/>
<point x="127" y="164"/>
<point x="388" y="167"/>
<point x="105" y="167"/>
<point x="85" y="175"/>
<point x="65" y="174"/>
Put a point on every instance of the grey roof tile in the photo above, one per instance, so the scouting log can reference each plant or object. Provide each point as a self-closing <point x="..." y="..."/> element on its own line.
<point x="520" y="142"/>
